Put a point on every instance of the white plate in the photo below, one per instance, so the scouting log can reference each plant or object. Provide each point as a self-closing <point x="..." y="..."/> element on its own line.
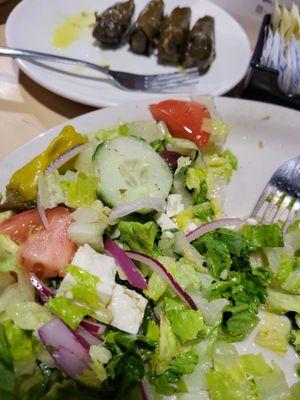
<point x="261" y="135"/>
<point x="32" y="23"/>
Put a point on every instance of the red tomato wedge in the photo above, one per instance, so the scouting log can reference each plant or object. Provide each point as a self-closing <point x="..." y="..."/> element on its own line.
<point x="184" y="119"/>
<point x="44" y="252"/>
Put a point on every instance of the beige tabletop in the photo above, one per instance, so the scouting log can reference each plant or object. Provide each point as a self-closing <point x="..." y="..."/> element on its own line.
<point x="27" y="109"/>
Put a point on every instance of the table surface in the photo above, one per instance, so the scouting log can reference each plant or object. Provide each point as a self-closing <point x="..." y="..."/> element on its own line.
<point x="27" y="109"/>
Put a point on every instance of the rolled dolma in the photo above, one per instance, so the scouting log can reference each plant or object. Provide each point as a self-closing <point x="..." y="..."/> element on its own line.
<point x="200" y="51"/>
<point x="147" y="27"/>
<point x="174" y="35"/>
<point x="113" y="24"/>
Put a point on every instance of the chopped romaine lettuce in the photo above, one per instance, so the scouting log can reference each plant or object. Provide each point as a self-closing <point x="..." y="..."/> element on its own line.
<point x="167" y="349"/>
<point x="231" y="158"/>
<point x="6" y="215"/>
<point x="72" y="189"/>
<point x="263" y="235"/>
<point x="7" y="244"/>
<point x="139" y="237"/>
<point x="156" y="287"/>
<point x="90" y="222"/>
<point x="72" y="314"/>
<point x="8" y="261"/>
<point x="198" y="214"/>
<point x="112" y="132"/>
<point x="245" y="377"/>
<point x="186" y="324"/>
<point x="21" y="348"/>
<point x="219" y="165"/>
<point x="283" y="302"/>
<point x="81" y="191"/>
<point x="190" y="255"/>
<point x="79" y="300"/>
<point x="273" y="334"/>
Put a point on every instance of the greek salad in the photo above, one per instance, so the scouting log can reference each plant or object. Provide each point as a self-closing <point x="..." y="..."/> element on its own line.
<point x="121" y="277"/>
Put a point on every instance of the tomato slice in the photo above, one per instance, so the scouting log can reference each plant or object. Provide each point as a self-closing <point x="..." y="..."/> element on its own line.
<point x="44" y="252"/>
<point x="184" y="119"/>
<point x="19" y="226"/>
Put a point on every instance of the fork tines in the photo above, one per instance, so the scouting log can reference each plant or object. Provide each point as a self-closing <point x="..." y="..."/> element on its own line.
<point x="173" y="80"/>
<point x="275" y="205"/>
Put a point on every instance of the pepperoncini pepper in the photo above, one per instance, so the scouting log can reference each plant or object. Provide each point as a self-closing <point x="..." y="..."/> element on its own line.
<point x="23" y="183"/>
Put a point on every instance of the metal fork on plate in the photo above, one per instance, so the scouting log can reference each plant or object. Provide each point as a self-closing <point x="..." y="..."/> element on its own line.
<point x="280" y="199"/>
<point x="125" y="80"/>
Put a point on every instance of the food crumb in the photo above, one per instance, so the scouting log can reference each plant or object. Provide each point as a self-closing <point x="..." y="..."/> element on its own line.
<point x="261" y="144"/>
<point x="266" y="117"/>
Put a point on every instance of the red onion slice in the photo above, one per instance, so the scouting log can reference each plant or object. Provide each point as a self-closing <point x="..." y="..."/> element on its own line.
<point x="211" y="226"/>
<point x="43" y="290"/>
<point x="68" y="362"/>
<point x="146" y="390"/>
<point x="64" y="346"/>
<point x="93" y="327"/>
<point x="88" y="338"/>
<point x="162" y="271"/>
<point x="170" y="157"/>
<point x="130" y="270"/>
<point x="61" y="160"/>
<point x="155" y="203"/>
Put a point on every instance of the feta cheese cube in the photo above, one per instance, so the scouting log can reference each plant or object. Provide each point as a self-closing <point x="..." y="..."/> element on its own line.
<point x="104" y="267"/>
<point x="174" y="205"/>
<point x="127" y="308"/>
<point x="165" y="222"/>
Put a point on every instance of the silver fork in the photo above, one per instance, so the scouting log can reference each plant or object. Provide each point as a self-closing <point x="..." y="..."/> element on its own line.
<point x="125" y="80"/>
<point x="280" y="199"/>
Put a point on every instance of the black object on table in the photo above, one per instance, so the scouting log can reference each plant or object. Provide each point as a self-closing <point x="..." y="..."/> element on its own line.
<point x="262" y="82"/>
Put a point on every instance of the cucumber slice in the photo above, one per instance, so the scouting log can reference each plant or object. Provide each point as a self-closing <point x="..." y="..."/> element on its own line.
<point x="129" y="169"/>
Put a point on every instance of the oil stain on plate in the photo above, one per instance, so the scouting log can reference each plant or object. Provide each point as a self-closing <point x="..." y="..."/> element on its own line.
<point x="71" y="29"/>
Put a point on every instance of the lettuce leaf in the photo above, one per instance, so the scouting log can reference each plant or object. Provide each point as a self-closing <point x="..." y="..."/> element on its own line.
<point x="79" y="299"/>
<point x="156" y="287"/>
<point x="186" y="324"/>
<point x="219" y="165"/>
<point x="273" y="386"/>
<point x="27" y="315"/>
<point x="112" y="132"/>
<point x="196" y="381"/>
<point x="8" y="261"/>
<point x="273" y="334"/>
<point x="167" y="349"/>
<point x="245" y="377"/>
<point x="7" y="244"/>
<point x="72" y="314"/>
<point x="283" y="302"/>
<point x="231" y="158"/>
<point x="167" y="383"/>
<point x="139" y="237"/>
<point x="72" y="189"/>
<point x="90" y="222"/>
<point x="21" y="348"/>
<point x="198" y="214"/>
<point x="80" y="192"/>
<point x="263" y="236"/>
<point x="184" y="363"/>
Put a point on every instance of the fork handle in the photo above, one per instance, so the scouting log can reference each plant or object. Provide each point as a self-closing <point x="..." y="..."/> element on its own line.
<point x="37" y="55"/>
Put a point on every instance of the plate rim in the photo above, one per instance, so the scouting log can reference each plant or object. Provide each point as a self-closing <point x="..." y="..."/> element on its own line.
<point x="25" y="66"/>
<point x="222" y="104"/>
